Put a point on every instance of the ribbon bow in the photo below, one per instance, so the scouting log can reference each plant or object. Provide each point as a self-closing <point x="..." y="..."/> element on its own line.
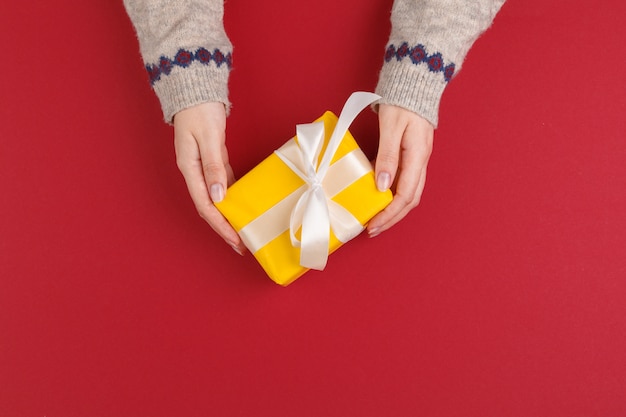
<point x="314" y="211"/>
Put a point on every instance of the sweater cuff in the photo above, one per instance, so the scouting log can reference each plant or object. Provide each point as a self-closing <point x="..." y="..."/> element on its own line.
<point x="413" y="87"/>
<point x="187" y="87"/>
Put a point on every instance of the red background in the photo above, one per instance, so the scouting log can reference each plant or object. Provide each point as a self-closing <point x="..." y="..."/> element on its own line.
<point x="502" y="294"/>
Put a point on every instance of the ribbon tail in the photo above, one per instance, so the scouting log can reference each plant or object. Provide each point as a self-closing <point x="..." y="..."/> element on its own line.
<point x="296" y="218"/>
<point x="353" y="106"/>
<point x="310" y="140"/>
<point x="315" y="235"/>
<point x="345" y="226"/>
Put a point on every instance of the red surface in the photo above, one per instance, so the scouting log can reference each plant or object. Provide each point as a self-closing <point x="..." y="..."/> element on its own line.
<point x="502" y="294"/>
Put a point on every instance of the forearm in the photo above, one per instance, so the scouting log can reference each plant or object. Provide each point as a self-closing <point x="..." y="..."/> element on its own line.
<point x="185" y="49"/>
<point x="428" y="43"/>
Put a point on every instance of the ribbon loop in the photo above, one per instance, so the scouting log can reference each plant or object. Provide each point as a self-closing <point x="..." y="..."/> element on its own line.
<point x="310" y="141"/>
<point x="315" y="213"/>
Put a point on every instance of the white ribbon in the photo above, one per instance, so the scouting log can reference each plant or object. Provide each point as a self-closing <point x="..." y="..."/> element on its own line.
<point x="314" y="211"/>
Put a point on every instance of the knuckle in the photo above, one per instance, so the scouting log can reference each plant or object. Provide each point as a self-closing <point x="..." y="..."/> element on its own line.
<point x="408" y="202"/>
<point x="402" y="200"/>
<point x="180" y="163"/>
<point x="422" y="149"/>
<point x="203" y="213"/>
<point x="387" y="156"/>
<point x="426" y="151"/>
<point x="416" y="200"/>
<point x="212" y="168"/>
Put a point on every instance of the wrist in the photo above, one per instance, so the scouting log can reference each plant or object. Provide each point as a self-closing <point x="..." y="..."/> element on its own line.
<point x="413" y="88"/>
<point x="187" y="87"/>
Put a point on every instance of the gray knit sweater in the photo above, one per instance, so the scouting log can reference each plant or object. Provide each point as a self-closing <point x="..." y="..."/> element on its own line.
<point x="188" y="54"/>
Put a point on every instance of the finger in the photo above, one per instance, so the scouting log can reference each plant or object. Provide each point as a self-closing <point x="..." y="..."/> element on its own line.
<point x="414" y="157"/>
<point x="393" y="218"/>
<point x="230" y="176"/>
<point x="407" y="197"/>
<point x="218" y="175"/>
<point x="388" y="155"/>
<point x="212" y="153"/>
<point x="207" y="210"/>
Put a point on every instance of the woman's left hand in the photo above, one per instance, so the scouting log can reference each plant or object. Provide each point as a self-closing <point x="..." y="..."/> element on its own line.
<point x="406" y="142"/>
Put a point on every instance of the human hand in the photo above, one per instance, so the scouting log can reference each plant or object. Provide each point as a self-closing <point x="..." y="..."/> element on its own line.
<point x="406" y="142"/>
<point x="201" y="156"/>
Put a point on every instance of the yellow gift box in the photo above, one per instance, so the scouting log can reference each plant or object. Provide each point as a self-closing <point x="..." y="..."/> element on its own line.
<point x="291" y="213"/>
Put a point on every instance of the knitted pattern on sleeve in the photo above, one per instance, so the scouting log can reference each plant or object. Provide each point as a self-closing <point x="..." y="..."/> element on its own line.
<point x="186" y="51"/>
<point x="428" y="43"/>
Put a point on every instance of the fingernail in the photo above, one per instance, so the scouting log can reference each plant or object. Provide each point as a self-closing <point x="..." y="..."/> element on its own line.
<point x="383" y="181"/>
<point x="236" y="249"/>
<point x="374" y="232"/>
<point x="216" y="192"/>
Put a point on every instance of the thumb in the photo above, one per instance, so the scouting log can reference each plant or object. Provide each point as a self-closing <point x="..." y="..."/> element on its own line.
<point x="214" y="167"/>
<point x="388" y="156"/>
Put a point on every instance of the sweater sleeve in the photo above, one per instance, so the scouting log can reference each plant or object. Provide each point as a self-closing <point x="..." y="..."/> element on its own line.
<point x="185" y="49"/>
<point x="428" y="43"/>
